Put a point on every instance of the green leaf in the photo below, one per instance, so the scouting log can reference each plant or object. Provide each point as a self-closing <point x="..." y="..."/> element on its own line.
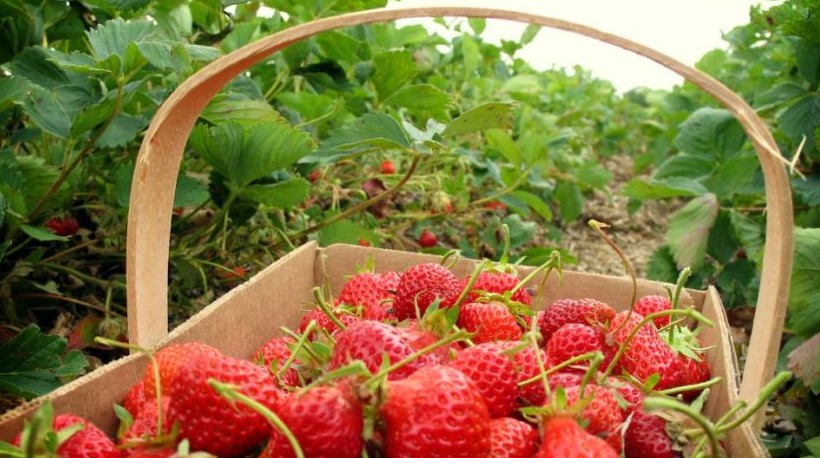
<point x="173" y="21"/>
<point x="522" y="87"/>
<point x="309" y="105"/>
<point x="472" y="55"/>
<point x="115" y="36"/>
<point x="123" y="130"/>
<point x="804" y="361"/>
<point x="688" y="231"/>
<point x="801" y="119"/>
<point x="782" y="93"/>
<point x="734" y="175"/>
<point x="392" y="71"/>
<point x="641" y="189"/>
<point x="808" y="190"/>
<point x="570" y="201"/>
<point x="536" y="203"/>
<point x="37" y="178"/>
<point x="477" y="24"/>
<point x="268" y="147"/>
<point x="373" y="130"/>
<point x="422" y="98"/>
<point x="592" y="175"/>
<point x="343" y="231"/>
<point x="339" y="46"/>
<point x="32" y="363"/>
<point x="190" y="192"/>
<point x="43" y="107"/>
<point x="220" y="146"/>
<point x="43" y="235"/>
<point x="685" y="165"/>
<point x="710" y="133"/>
<point x="241" y="110"/>
<point x="12" y="91"/>
<point x="813" y="446"/>
<point x="750" y="233"/>
<point x="805" y="268"/>
<point x="487" y="116"/>
<point x="501" y="141"/>
<point x="285" y="194"/>
<point x="529" y="34"/>
<point x="33" y="64"/>
<point x="661" y="266"/>
<point x="808" y="60"/>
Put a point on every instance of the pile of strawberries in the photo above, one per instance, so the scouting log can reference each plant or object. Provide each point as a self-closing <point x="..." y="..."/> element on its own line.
<point x="419" y="363"/>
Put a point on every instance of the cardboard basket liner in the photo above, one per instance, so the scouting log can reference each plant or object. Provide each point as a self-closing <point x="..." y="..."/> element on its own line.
<point x="244" y="318"/>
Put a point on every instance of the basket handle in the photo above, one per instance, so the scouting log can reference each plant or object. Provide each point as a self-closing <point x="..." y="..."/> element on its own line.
<point x="158" y="162"/>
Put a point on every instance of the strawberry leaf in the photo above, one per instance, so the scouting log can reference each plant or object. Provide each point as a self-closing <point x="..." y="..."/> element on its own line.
<point x="804" y="361"/>
<point x="483" y="117"/>
<point x="688" y="232"/>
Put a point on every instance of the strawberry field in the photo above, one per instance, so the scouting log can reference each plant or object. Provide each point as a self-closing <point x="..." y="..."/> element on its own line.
<point x="391" y="136"/>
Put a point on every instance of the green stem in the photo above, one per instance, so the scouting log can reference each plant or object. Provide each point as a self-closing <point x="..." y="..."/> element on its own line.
<point x="299" y="344"/>
<point x="521" y="179"/>
<point x="296" y="337"/>
<point x="541" y="368"/>
<point x="231" y="393"/>
<point x="82" y="276"/>
<point x="480" y="267"/>
<point x="325" y="307"/>
<point x="684" y="275"/>
<point x="694" y="386"/>
<point x="559" y="367"/>
<point x="655" y="403"/>
<point x="762" y="398"/>
<point x="598" y="226"/>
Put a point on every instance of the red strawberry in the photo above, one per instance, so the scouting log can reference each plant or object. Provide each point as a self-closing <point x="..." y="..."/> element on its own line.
<point x="326" y="421"/>
<point x="420" y="285"/>
<point x="497" y="282"/>
<point x="564" y="311"/>
<point x="89" y="442"/>
<point x="63" y="226"/>
<point x="277" y="350"/>
<point x="651" y="304"/>
<point x="169" y="360"/>
<point x="491" y="321"/>
<point x="437" y="411"/>
<point x="646" y="437"/>
<point x="603" y="414"/>
<point x="565" y="438"/>
<point x="387" y="167"/>
<point x="511" y="438"/>
<point x="428" y="239"/>
<point x="526" y="367"/>
<point x="152" y="452"/>
<point x="493" y="374"/>
<point x="694" y="371"/>
<point x="418" y="337"/>
<point x="631" y="394"/>
<point x="647" y="353"/>
<point x="575" y="339"/>
<point x="211" y="423"/>
<point x="370" y="291"/>
<point x="135" y="398"/>
<point x="565" y="379"/>
<point x="369" y="341"/>
<point x="145" y="422"/>
<point x="324" y="322"/>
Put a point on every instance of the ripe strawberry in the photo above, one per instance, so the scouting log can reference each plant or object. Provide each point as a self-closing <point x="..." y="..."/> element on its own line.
<point x="495" y="205"/>
<point x="169" y="359"/>
<point x="369" y="341"/>
<point x="575" y="339"/>
<point x="211" y="423"/>
<point x="565" y="438"/>
<point x="694" y="371"/>
<point x="63" y="227"/>
<point x="564" y="311"/>
<point x="89" y="442"/>
<point x="437" y="411"/>
<point x="428" y="239"/>
<point x="493" y="374"/>
<point x="326" y="421"/>
<point x="603" y="414"/>
<point x="646" y="437"/>
<point x="324" y="322"/>
<point x="647" y="353"/>
<point x="491" y="321"/>
<point x="526" y="367"/>
<point x="315" y="175"/>
<point x="277" y="350"/>
<point x="497" y="282"/>
<point x="371" y="291"/>
<point x="135" y="398"/>
<point x="388" y="167"/>
<point x="565" y="379"/>
<point x="511" y="438"/>
<point x="629" y="393"/>
<point x="420" y="285"/>
<point x="651" y="304"/>
<point x="149" y="452"/>
<point x="145" y="422"/>
<point x="419" y="337"/>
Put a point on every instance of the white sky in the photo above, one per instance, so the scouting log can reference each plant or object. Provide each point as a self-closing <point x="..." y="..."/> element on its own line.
<point x="684" y="30"/>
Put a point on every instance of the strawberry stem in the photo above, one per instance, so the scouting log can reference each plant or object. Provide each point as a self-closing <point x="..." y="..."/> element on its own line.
<point x="480" y="267"/>
<point x="695" y="386"/>
<point x="541" y="368"/>
<point x="762" y="398"/>
<point x="325" y="307"/>
<point x="455" y="254"/>
<point x="599" y="227"/>
<point x="684" y="275"/>
<point x="296" y="337"/>
<point x="594" y="363"/>
<point x="232" y="394"/>
<point x="505" y="253"/>
<point x="559" y="367"/>
<point x="300" y="343"/>
<point x="355" y="368"/>
<point x="691" y="313"/>
<point x="553" y="263"/>
<point x="656" y="403"/>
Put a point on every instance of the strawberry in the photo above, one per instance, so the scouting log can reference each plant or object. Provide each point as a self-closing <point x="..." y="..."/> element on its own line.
<point x="694" y="371"/>
<point x="369" y="341"/>
<point x="491" y="321"/>
<point x="326" y="421"/>
<point x="493" y="374"/>
<point x="575" y="339"/>
<point x="388" y="167"/>
<point x="428" y="239"/>
<point x="88" y="442"/>
<point x="651" y="304"/>
<point x="277" y="351"/>
<point x="647" y="353"/>
<point x="511" y="438"/>
<point x="370" y="291"/>
<point x="565" y="438"/>
<point x="496" y="282"/>
<point x="418" y="336"/>
<point x="420" y="285"/>
<point x="210" y="422"/>
<point x="564" y="311"/>
<point x="169" y="359"/>
<point x="646" y="437"/>
<point x="565" y="379"/>
<point x="135" y="398"/>
<point x="324" y="322"/>
<point x="603" y="415"/>
<point x="437" y="411"/>
<point x="526" y="367"/>
<point x="631" y="395"/>
<point x="63" y="227"/>
<point x="145" y="422"/>
<point x="150" y="452"/>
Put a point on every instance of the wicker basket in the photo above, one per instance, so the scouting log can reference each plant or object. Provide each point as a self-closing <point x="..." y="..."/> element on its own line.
<point x="274" y="296"/>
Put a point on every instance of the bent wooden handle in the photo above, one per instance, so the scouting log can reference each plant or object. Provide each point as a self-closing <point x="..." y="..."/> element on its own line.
<point x="149" y="218"/>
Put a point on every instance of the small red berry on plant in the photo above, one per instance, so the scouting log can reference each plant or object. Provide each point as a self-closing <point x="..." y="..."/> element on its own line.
<point x="388" y="168"/>
<point x="63" y="226"/>
<point x="428" y="239"/>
